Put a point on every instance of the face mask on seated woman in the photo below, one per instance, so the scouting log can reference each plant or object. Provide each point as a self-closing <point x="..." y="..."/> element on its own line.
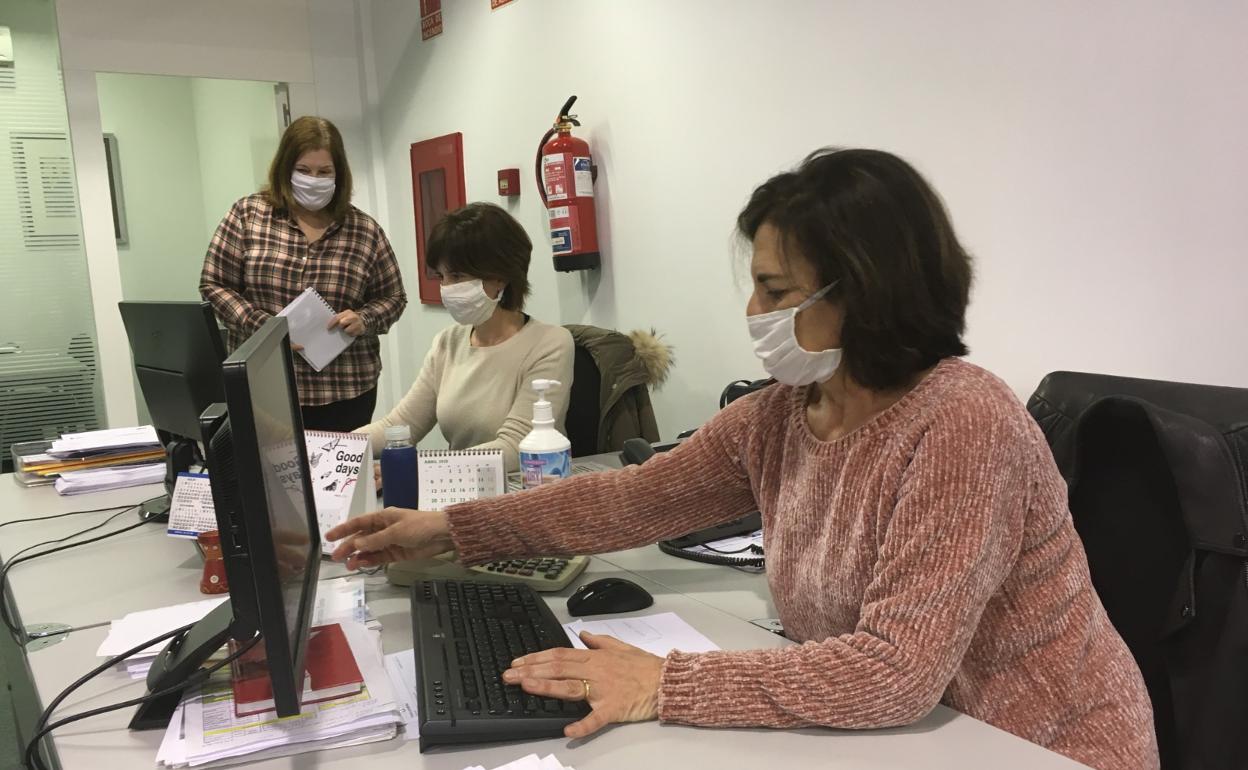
<point x="468" y="303"/>
<point x="775" y="343"/>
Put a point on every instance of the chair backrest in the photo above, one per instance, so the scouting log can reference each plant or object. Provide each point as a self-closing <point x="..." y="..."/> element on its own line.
<point x="1156" y="474"/>
<point x="584" y="404"/>
<point x="1135" y="561"/>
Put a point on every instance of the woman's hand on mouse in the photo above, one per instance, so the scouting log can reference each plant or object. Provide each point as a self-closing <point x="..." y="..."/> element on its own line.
<point x="620" y="681"/>
<point x="395" y="534"/>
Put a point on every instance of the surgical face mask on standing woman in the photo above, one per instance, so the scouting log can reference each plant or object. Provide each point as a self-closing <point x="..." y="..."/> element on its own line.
<point x="468" y="303"/>
<point x="775" y="343"/>
<point x="312" y="192"/>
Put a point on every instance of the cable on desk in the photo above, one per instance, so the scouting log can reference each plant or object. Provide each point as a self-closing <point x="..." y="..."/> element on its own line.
<point x="34" y="760"/>
<point x="127" y="506"/>
<point x="18" y="634"/>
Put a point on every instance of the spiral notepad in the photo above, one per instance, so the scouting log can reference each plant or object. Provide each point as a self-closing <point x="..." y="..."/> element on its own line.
<point x="308" y="316"/>
<point x="447" y="477"/>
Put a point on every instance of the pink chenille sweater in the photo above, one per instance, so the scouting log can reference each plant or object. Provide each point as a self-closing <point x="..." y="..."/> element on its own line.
<point x="928" y="557"/>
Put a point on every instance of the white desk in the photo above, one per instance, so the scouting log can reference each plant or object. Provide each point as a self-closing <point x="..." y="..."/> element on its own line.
<point x="145" y="569"/>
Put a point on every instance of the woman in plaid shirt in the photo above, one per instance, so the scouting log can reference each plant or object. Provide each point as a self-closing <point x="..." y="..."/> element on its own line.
<point x="299" y="231"/>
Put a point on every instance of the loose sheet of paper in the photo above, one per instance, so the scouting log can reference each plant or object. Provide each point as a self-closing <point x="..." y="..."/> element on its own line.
<point x="656" y="634"/>
<point x="401" y="666"/>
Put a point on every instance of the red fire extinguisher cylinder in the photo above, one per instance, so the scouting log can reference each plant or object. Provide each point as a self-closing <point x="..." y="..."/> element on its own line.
<point x="568" y="189"/>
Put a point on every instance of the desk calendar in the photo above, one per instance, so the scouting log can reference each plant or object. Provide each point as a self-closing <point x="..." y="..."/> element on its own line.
<point x="446" y="477"/>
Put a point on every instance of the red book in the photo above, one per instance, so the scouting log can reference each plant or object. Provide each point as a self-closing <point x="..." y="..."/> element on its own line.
<point x="329" y="663"/>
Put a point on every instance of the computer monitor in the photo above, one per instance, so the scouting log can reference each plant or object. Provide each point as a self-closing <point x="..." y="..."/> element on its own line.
<point x="177" y="351"/>
<point x="270" y="539"/>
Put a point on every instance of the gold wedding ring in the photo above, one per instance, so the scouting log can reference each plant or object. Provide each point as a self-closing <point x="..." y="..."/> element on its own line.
<point x="586" y="683"/>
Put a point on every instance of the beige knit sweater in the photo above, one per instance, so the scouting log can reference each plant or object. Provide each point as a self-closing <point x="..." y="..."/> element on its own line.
<point x="929" y="557"/>
<point x="482" y="397"/>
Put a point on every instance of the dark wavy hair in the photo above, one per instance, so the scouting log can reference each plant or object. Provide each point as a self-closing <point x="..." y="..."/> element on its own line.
<point x="868" y="221"/>
<point x="484" y="241"/>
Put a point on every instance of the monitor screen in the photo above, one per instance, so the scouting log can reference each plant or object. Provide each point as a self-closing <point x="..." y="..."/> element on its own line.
<point x="284" y="470"/>
<point x="263" y="493"/>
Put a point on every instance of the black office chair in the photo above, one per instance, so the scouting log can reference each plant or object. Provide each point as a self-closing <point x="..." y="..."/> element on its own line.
<point x="584" y="412"/>
<point x="1156" y="472"/>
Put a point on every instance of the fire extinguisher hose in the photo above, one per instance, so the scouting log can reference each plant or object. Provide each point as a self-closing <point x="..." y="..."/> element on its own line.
<point x="563" y="117"/>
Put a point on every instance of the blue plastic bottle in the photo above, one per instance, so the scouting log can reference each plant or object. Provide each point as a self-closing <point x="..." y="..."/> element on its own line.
<point x="398" y="469"/>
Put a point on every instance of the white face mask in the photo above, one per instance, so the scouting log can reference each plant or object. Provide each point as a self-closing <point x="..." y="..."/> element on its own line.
<point x="468" y="303"/>
<point x="312" y="192"/>
<point x="776" y="345"/>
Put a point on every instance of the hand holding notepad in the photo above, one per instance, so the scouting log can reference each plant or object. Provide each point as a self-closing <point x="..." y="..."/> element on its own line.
<point x="309" y="316"/>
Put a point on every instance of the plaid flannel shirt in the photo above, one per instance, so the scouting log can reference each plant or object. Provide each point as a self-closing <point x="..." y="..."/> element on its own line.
<point x="259" y="260"/>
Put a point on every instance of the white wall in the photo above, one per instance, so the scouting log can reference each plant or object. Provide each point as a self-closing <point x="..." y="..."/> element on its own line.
<point x="153" y="119"/>
<point x="236" y="134"/>
<point x="1091" y="155"/>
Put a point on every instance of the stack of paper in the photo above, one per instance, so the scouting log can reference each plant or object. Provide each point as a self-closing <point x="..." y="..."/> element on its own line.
<point x="204" y="730"/>
<point x="50" y="466"/>
<point x="99" y="441"/>
<point x="336" y="600"/>
<point x="101" y="479"/>
<point x="101" y="459"/>
<point x="531" y="762"/>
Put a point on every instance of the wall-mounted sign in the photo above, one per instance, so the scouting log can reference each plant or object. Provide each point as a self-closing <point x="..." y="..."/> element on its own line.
<point x="430" y="18"/>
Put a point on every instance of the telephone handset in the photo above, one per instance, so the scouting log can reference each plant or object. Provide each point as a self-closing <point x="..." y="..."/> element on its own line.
<point x="635" y="452"/>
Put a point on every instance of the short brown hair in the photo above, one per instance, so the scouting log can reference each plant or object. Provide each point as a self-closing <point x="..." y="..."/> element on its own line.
<point x="866" y="220"/>
<point x="305" y="134"/>
<point x="483" y="241"/>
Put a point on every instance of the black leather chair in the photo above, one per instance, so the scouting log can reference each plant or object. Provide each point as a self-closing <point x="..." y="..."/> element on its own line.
<point x="1157" y="475"/>
<point x="584" y="404"/>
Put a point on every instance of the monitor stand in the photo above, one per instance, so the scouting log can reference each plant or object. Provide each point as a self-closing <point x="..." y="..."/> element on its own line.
<point x="177" y="662"/>
<point x="180" y="455"/>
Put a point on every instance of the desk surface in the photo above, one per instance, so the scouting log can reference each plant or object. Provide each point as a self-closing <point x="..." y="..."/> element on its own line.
<point x="145" y="569"/>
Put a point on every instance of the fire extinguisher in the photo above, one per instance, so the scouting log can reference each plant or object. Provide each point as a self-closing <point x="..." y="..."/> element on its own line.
<point x="565" y="179"/>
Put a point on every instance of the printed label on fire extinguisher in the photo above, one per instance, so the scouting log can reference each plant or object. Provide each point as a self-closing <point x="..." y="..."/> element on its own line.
<point x="583" y="177"/>
<point x="555" y="176"/>
<point x="561" y="240"/>
<point x="557" y="212"/>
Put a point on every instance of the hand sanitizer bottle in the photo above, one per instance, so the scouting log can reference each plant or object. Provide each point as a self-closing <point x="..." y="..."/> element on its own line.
<point x="545" y="454"/>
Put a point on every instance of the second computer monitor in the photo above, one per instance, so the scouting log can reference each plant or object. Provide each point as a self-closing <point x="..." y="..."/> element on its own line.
<point x="177" y="351"/>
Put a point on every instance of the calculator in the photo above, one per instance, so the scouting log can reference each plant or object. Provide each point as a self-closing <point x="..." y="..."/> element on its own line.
<point x="541" y="573"/>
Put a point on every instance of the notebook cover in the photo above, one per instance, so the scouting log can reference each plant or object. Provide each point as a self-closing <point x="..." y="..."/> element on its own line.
<point x="308" y="316"/>
<point x="329" y="662"/>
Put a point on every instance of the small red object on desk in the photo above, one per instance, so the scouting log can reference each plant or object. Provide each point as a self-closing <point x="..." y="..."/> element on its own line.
<point x="213" y="580"/>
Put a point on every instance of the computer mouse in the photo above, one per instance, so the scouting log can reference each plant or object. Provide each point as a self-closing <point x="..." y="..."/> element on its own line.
<point x="608" y="595"/>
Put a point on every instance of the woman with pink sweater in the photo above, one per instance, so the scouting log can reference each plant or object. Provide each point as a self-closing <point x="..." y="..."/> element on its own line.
<point x="919" y="544"/>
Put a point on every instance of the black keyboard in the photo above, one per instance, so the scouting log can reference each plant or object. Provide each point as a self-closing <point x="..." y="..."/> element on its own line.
<point x="466" y="634"/>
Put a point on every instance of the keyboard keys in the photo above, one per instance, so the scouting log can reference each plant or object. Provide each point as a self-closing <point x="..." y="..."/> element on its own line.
<point x="466" y="637"/>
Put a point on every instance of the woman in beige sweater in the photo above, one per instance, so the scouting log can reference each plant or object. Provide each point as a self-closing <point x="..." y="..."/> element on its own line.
<point x="475" y="382"/>
<point x="919" y="544"/>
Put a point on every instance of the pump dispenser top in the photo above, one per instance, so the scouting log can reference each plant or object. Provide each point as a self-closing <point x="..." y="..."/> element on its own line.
<point x="543" y="414"/>
<point x="545" y="454"/>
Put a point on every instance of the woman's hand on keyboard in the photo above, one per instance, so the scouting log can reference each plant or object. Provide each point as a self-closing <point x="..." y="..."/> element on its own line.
<point x="620" y="681"/>
<point x="395" y="534"/>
